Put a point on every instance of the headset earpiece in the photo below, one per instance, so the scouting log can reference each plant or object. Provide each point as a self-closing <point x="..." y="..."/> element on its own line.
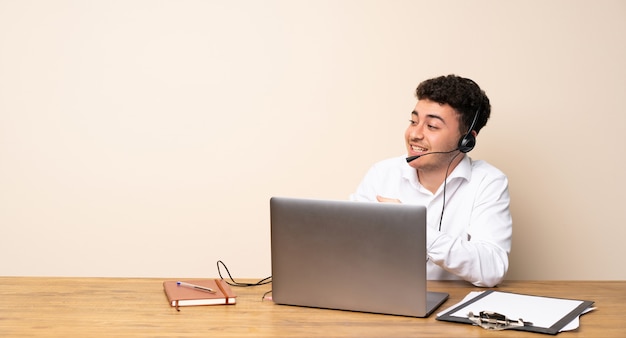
<point x="468" y="141"/>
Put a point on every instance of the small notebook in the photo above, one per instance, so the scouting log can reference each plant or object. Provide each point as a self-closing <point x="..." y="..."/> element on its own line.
<point x="179" y="295"/>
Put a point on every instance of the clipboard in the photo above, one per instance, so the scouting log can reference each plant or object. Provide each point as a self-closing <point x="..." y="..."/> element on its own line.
<point x="535" y="313"/>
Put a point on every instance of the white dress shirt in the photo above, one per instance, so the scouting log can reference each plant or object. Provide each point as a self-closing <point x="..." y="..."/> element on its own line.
<point x="475" y="237"/>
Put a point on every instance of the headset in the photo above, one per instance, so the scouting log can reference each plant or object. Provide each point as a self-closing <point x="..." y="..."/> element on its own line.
<point x="468" y="141"/>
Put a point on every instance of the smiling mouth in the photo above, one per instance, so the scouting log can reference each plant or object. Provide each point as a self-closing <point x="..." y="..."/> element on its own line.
<point x="418" y="149"/>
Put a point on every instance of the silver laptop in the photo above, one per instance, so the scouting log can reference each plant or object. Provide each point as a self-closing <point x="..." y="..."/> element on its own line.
<point x="357" y="256"/>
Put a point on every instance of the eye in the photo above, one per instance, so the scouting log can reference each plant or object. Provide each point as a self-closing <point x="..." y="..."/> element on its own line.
<point x="411" y="122"/>
<point x="432" y="127"/>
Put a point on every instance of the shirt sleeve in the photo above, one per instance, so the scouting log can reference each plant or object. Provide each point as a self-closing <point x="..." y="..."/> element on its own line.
<point x="480" y="257"/>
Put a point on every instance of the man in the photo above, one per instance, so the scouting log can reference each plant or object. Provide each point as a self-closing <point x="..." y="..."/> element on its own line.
<point x="469" y="222"/>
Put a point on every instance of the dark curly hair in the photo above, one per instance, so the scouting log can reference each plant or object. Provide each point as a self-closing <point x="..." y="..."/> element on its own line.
<point x="462" y="94"/>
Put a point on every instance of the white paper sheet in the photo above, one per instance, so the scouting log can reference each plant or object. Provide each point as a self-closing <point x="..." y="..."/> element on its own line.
<point x="541" y="311"/>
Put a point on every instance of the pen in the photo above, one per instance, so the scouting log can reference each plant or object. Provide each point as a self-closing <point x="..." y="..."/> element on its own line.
<point x="194" y="286"/>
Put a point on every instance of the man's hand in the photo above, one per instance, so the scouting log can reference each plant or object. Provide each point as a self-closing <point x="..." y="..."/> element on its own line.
<point x="387" y="200"/>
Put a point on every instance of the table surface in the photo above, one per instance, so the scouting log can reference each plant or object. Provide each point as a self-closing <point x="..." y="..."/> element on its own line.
<point x="137" y="307"/>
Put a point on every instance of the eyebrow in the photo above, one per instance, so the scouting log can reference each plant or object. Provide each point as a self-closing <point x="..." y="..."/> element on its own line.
<point x="431" y="116"/>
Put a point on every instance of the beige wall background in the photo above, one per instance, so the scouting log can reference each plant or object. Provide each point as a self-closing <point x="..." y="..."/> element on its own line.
<point x="145" y="138"/>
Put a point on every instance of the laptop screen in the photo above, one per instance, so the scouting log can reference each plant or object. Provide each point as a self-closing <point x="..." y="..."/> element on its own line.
<point x="357" y="256"/>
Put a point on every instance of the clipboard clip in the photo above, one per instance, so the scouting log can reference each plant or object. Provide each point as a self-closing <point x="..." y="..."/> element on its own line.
<point x="490" y="320"/>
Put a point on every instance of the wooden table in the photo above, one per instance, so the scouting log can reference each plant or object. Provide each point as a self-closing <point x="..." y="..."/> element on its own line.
<point x="137" y="307"/>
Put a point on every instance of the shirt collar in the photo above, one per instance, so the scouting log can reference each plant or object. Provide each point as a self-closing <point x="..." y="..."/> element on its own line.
<point x="462" y="170"/>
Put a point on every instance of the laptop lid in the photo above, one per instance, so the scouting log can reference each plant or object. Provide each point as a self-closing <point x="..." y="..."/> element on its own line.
<point x="357" y="256"/>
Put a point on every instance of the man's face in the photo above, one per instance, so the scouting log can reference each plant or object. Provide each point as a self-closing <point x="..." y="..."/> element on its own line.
<point x="433" y="127"/>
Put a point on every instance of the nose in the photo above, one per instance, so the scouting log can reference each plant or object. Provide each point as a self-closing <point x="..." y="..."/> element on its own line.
<point x="416" y="132"/>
